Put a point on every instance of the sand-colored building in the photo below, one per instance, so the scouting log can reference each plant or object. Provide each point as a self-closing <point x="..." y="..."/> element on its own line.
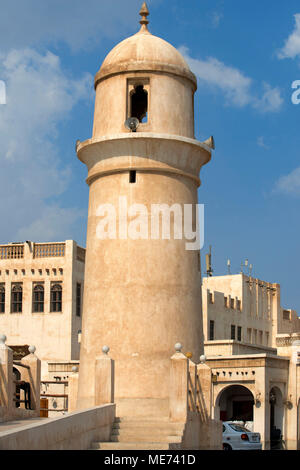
<point x="248" y="370"/>
<point x="252" y="345"/>
<point x="246" y="310"/>
<point x="144" y="295"/>
<point x="41" y="289"/>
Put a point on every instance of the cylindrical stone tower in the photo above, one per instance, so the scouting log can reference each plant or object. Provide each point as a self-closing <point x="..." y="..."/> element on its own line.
<point x="141" y="295"/>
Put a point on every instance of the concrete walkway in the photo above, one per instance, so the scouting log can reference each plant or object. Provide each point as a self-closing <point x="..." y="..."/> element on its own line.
<point x="9" y="425"/>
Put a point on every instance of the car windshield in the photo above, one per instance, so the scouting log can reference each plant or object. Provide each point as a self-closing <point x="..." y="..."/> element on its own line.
<point x="238" y="428"/>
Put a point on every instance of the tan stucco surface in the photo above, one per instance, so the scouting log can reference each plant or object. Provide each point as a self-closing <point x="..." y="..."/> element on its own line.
<point x="54" y="334"/>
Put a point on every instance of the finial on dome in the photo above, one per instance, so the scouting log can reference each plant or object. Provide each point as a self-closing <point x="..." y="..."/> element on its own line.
<point x="144" y="12"/>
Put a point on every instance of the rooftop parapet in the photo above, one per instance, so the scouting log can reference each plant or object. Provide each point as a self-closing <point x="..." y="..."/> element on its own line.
<point x="37" y="250"/>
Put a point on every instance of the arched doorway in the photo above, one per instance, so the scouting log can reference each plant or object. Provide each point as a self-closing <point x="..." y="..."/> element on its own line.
<point x="276" y="417"/>
<point x="236" y="404"/>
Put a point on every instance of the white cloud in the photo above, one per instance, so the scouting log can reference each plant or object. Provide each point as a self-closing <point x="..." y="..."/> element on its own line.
<point x="53" y="224"/>
<point x="271" y="100"/>
<point x="216" y="18"/>
<point x="291" y="48"/>
<point x="236" y="87"/>
<point x="40" y="98"/>
<point x="261" y="143"/>
<point x="220" y="76"/>
<point x="289" y="184"/>
<point x="76" y="22"/>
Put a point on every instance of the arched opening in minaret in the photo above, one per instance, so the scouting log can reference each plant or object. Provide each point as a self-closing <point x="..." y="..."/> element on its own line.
<point x="139" y="103"/>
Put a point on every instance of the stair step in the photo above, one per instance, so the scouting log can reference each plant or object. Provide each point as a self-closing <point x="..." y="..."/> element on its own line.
<point x="133" y="446"/>
<point x="142" y="419"/>
<point x="145" y="438"/>
<point x="150" y="433"/>
<point x="130" y="433"/>
<point x="149" y="425"/>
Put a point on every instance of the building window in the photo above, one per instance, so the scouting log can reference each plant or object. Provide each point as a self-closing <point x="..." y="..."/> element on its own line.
<point x="211" y="330"/>
<point x="225" y="302"/>
<point x="56" y="298"/>
<point x="78" y="300"/>
<point x="249" y="334"/>
<point x="286" y="315"/>
<point x="2" y="298"/>
<point x="267" y="338"/>
<point x="38" y="298"/>
<point x="211" y="299"/>
<point x="16" y="298"/>
<point x="232" y="331"/>
<point x="238" y="305"/>
<point x="239" y="333"/>
<point x="254" y="338"/>
<point x="139" y="103"/>
<point x="232" y="303"/>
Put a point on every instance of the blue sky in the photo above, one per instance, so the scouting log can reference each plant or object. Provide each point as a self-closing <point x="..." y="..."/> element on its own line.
<point x="245" y="55"/>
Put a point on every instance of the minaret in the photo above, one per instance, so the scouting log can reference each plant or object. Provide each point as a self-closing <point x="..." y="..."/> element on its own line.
<point x="141" y="295"/>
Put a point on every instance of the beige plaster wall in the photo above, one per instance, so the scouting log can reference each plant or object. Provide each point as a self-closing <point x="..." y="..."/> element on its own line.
<point x="259" y="373"/>
<point x="165" y="114"/>
<point x="260" y="317"/>
<point x="141" y="296"/>
<point x="202" y="435"/>
<point x="231" y="347"/>
<point x="53" y="333"/>
<point x="75" y="431"/>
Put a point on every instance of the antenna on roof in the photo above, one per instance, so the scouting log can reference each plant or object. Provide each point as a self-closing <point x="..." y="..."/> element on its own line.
<point x="209" y="269"/>
<point x="250" y="269"/>
<point x="228" y="266"/>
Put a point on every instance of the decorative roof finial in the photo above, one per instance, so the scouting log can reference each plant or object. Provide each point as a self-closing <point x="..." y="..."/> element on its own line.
<point x="144" y="12"/>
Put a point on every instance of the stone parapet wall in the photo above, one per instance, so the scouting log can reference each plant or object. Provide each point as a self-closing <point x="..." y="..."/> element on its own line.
<point x="75" y="431"/>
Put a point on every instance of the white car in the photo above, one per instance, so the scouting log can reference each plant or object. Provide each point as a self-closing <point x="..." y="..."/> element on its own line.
<point x="237" y="437"/>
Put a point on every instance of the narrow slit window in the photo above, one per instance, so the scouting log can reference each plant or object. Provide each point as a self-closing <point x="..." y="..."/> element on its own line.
<point x="139" y="104"/>
<point x="211" y="330"/>
<point x="78" y="299"/>
<point x="239" y="333"/>
<point x="232" y="331"/>
<point x="132" y="176"/>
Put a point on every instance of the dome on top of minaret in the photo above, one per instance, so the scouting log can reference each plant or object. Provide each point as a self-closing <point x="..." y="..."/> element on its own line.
<point x="144" y="52"/>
